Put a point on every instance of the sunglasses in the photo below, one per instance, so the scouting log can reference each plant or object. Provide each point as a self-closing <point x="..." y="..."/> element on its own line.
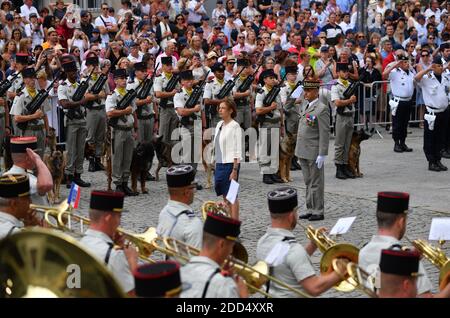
<point x="105" y="8"/>
<point x="425" y="55"/>
<point x="241" y="37"/>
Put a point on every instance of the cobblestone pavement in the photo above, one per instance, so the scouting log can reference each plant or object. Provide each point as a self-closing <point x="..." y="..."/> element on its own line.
<point x="342" y="199"/>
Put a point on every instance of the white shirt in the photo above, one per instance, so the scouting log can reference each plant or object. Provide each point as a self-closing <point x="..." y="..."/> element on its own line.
<point x="369" y="261"/>
<point x="434" y="94"/>
<point x="230" y="141"/>
<point x="25" y="12"/>
<point x="9" y="225"/>
<point x="36" y="36"/>
<point x="402" y="84"/>
<point x="135" y="59"/>
<point x="108" y="22"/>
<point x="437" y="14"/>
<point x="195" y="15"/>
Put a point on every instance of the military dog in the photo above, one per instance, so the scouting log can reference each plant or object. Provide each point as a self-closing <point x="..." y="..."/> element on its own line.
<point x="89" y="151"/>
<point x="51" y="139"/>
<point x="141" y="163"/>
<point x="163" y="153"/>
<point x="55" y="162"/>
<point x="355" y="150"/>
<point x="287" y="149"/>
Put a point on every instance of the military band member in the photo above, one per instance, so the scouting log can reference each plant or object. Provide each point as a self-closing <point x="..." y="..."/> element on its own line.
<point x="392" y="211"/>
<point x="210" y="96"/>
<point x="105" y="211"/>
<point x="289" y="261"/>
<point x="95" y="112"/>
<point x="242" y="99"/>
<point x="145" y="109"/>
<point x="75" y="123"/>
<point x="25" y="160"/>
<point x="37" y="123"/>
<point x="122" y="133"/>
<point x="345" y="109"/>
<point x="312" y="148"/>
<point x="435" y="85"/>
<point x="177" y="219"/>
<point x="401" y="77"/>
<point x="270" y="125"/>
<point x="14" y="203"/>
<point x="17" y="85"/>
<point x="203" y="273"/>
<point x="161" y="279"/>
<point x="168" y="119"/>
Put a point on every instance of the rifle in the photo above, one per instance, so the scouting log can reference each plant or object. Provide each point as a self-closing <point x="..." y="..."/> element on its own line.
<point x="269" y="99"/>
<point x="36" y="103"/>
<point x="248" y="81"/>
<point x="350" y="91"/>
<point x="174" y="80"/>
<point x="145" y="90"/>
<point x="75" y="113"/>
<point x="298" y="84"/>
<point x="6" y="84"/>
<point x="226" y="89"/>
<point x="97" y="88"/>
<point x="124" y="103"/>
<point x="193" y="100"/>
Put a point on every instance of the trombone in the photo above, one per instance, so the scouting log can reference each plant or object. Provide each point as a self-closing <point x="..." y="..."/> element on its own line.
<point x="437" y="257"/>
<point x="255" y="276"/>
<point x="51" y="212"/>
<point x="357" y="277"/>
<point x="332" y="250"/>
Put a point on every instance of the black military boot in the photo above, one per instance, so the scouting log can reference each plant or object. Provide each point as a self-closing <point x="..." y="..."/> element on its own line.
<point x="348" y="172"/>
<point x="405" y="147"/>
<point x="276" y="178"/>
<point x="119" y="188"/>
<point x="432" y="166"/>
<point x="398" y="147"/>
<point x="267" y="179"/>
<point x="91" y="165"/>
<point x="69" y="179"/>
<point x="78" y="181"/>
<point x="441" y="166"/>
<point x="98" y="164"/>
<point x="293" y="166"/>
<point x="127" y="190"/>
<point x="340" y="172"/>
<point x="445" y="153"/>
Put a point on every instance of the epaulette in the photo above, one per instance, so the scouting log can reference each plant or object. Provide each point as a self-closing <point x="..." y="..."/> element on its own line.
<point x="289" y="239"/>
<point x="260" y="90"/>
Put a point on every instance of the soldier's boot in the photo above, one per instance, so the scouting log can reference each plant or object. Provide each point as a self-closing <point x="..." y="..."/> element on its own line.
<point x="445" y="153"/>
<point x="91" y="164"/>
<point x="348" y="172"/>
<point x="98" y="164"/>
<point x="276" y="178"/>
<point x="296" y="164"/>
<point x="398" y="147"/>
<point x="441" y="166"/>
<point x="293" y="166"/>
<point x="340" y="172"/>
<point x="119" y="188"/>
<point x="78" y="181"/>
<point x="69" y="179"/>
<point x="432" y="166"/>
<point x="267" y="179"/>
<point x="128" y="191"/>
<point x="405" y="147"/>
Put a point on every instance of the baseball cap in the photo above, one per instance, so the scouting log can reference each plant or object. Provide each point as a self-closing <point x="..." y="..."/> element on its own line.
<point x="324" y="49"/>
<point x="277" y="48"/>
<point x="199" y="30"/>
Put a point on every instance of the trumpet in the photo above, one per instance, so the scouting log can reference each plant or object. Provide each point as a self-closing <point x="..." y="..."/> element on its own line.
<point x="437" y="257"/>
<point x="357" y="277"/>
<point x="255" y="276"/>
<point x="332" y="250"/>
<point x="51" y="212"/>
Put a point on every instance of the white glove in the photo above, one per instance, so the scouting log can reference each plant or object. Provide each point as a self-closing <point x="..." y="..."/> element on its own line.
<point x="320" y="160"/>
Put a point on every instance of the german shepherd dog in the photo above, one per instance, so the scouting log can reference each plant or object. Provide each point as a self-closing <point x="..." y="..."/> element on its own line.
<point x="163" y="153"/>
<point x="355" y="150"/>
<point x="141" y="163"/>
<point x="51" y="139"/>
<point x="55" y="163"/>
<point x="89" y="151"/>
<point x="287" y="149"/>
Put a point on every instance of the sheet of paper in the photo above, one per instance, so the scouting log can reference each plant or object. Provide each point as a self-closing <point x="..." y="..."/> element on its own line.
<point x="440" y="229"/>
<point x="342" y="225"/>
<point x="233" y="191"/>
<point x="298" y="92"/>
<point x="278" y="253"/>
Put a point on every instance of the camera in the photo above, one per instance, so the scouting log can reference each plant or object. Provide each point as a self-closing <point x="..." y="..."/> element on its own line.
<point x="371" y="48"/>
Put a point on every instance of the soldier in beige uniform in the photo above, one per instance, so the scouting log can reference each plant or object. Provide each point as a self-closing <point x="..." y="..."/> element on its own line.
<point x="243" y="98"/>
<point x="105" y="212"/>
<point x="95" y="111"/>
<point x="14" y="203"/>
<point x="344" y="122"/>
<point x="210" y="99"/>
<point x="288" y="260"/>
<point x="168" y="119"/>
<point x="123" y="141"/>
<point x="270" y="123"/>
<point x="202" y="275"/>
<point x="312" y="148"/>
<point x="145" y="108"/>
<point x="37" y="123"/>
<point x="17" y="84"/>
<point x="75" y="123"/>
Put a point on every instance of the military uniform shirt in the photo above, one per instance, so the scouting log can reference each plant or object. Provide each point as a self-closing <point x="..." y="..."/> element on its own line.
<point x="259" y="102"/>
<point x="147" y="109"/>
<point x="337" y="92"/>
<point x="285" y="91"/>
<point x="160" y="85"/>
<point x="186" y="227"/>
<point x="111" y="104"/>
<point x="9" y="225"/>
<point x="435" y="92"/>
<point x="98" y="244"/>
<point x="195" y="274"/>
<point x="65" y="91"/>
<point x="369" y="260"/>
<point x="402" y="84"/>
<point x="35" y="197"/>
<point x="22" y="101"/>
<point x="295" y="267"/>
<point x="100" y="101"/>
<point x="180" y="100"/>
<point x="17" y="84"/>
<point x="245" y="100"/>
<point x="213" y="88"/>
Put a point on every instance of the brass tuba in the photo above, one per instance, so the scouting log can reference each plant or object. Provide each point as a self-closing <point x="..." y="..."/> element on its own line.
<point x="239" y="251"/>
<point x="43" y="263"/>
<point x="437" y="257"/>
<point x="332" y="250"/>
